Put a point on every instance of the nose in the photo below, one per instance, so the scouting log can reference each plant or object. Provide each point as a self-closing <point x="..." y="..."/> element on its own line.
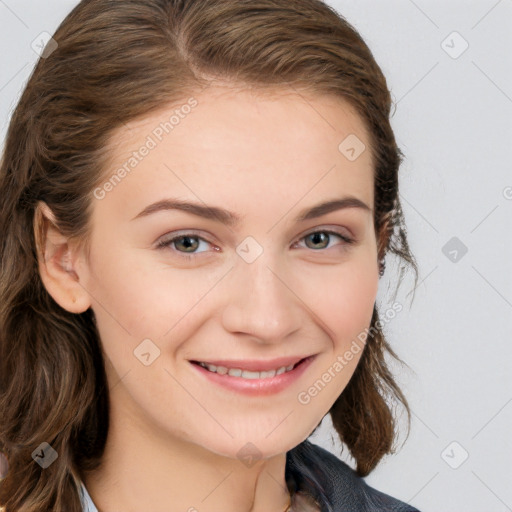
<point x="262" y="302"/>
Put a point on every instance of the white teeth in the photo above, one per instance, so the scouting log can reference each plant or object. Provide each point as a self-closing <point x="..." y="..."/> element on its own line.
<point x="247" y="374"/>
<point x="236" y="372"/>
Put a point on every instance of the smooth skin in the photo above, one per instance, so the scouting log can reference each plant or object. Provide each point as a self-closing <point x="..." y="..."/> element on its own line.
<point x="174" y="436"/>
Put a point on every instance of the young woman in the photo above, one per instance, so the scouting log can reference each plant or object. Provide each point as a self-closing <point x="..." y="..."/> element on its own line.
<point x="197" y="200"/>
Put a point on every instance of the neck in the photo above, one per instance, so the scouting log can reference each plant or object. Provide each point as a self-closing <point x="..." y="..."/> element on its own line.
<point x="145" y="469"/>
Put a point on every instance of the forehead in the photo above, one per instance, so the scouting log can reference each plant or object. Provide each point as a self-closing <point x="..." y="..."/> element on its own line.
<point x="246" y="113"/>
<point x="235" y="145"/>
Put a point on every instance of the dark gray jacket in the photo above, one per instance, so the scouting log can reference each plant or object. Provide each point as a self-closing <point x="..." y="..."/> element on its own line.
<point x="333" y="484"/>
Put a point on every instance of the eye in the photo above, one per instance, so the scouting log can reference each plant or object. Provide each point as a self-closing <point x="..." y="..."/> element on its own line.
<point x="316" y="239"/>
<point x="187" y="241"/>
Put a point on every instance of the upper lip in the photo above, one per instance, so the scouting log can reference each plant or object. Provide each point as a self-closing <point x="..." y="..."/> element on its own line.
<point x="254" y="365"/>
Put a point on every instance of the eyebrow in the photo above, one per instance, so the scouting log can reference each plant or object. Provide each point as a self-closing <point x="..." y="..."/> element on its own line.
<point x="231" y="219"/>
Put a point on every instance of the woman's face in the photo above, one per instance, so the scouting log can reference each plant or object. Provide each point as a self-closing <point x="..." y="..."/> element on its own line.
<point x="266" y="281"/>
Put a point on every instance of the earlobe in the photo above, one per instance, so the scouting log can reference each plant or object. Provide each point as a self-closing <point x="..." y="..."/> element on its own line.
<point x="57" y="258"/>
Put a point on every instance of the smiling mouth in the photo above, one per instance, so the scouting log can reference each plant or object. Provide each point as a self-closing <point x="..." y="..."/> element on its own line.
<point x="246" y="374"/>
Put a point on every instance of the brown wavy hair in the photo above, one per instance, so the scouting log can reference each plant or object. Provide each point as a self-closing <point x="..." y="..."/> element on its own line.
<point x="116" y="61"/>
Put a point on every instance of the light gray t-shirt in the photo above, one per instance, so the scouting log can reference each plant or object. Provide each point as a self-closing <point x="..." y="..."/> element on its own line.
<point x="87" y="504"/>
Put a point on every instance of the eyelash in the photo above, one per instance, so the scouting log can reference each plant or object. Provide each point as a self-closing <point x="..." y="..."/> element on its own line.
<point x="166" y="243"/>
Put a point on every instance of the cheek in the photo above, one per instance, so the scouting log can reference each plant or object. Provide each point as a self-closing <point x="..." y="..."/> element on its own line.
<point x="345" y="307"/>
<point x="348" y="309"/>
<point x="129" y="295"/>
<point x="135" y="300"/>
<point x="344" y="299"/>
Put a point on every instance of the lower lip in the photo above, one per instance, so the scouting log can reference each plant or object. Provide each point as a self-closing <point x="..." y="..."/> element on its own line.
<point x="256" y="387"/>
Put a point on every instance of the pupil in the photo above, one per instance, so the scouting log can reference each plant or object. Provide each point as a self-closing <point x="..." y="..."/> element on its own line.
<point x="187" y="244"/>
<point x="315" y="237"/>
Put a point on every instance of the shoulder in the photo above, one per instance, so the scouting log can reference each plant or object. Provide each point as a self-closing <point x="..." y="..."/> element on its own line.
<point x="335" y="484"/>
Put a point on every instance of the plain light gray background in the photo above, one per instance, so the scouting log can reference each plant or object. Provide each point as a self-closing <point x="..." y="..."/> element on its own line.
<point x="449" y="68"/>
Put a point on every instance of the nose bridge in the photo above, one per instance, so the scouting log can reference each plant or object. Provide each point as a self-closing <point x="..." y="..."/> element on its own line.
<point x="260" y="302"/>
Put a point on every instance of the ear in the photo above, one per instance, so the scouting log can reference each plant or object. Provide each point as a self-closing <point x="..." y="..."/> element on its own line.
<point x="57" y="258"/>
